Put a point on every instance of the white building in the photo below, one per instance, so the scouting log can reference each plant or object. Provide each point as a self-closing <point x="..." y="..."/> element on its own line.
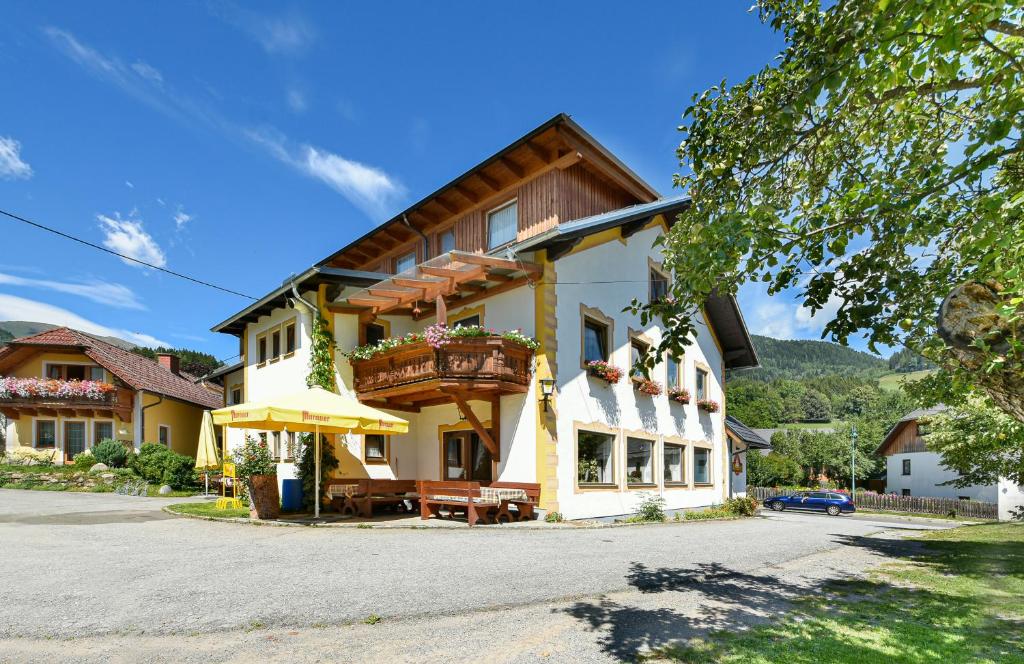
<point x="914" y="470"/>
<point x="552" y="236"/>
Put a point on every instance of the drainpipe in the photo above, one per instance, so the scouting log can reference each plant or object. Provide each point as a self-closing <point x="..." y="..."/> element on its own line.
<point x="426" y="242"/>
<point x="142" y="414"/>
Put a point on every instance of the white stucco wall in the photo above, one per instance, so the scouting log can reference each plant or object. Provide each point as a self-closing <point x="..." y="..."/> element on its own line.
<point x="926" y="477"/>
<point x="1011" y="498"/>
<point x="739" y="480"/>
<point x="607" y="277"/>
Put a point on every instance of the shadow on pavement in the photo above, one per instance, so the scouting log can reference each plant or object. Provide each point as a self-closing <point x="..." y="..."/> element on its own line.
<point x="86" y="518"/>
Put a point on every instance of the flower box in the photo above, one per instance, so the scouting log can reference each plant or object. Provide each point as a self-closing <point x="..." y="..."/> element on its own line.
<point x="708" y="405"/>
<point x="647" y="386"/>
<point x="51" y="388"/>
<point x="607" y="372"/>
<point x="679" y="395"/>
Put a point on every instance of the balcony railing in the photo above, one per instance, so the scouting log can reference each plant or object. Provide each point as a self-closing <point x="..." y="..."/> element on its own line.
<point x="473" y="359"/>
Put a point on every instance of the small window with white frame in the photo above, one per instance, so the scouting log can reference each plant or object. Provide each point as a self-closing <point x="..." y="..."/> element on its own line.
<point x="164" y="435"/>
<point x="405" y="262"/>
<point x="502" y="225"/>
<point x="375" y="448"/>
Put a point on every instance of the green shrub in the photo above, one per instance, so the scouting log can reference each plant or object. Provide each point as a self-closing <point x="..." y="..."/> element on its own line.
<point x="155" y="463"/>
<point x="709" y="513"/>
<point x="84" y="461"/>
<point x="110" y="452"/>
<point x="741" y="506"/>
<point x="651" y="508"/>
<point x="179" y="471"/>
<point x="553" y="517"/>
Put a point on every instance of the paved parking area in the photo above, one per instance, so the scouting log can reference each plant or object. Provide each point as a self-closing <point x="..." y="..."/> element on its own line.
<point x="106" y="569"/>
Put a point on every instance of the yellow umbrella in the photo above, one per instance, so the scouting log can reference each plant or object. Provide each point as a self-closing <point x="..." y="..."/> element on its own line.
<point x="313" y="410"/>
<point x="206" y="451"/>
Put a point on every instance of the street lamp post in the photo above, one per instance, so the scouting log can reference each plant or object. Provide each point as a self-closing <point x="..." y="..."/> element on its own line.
<point x="853" y="461"/>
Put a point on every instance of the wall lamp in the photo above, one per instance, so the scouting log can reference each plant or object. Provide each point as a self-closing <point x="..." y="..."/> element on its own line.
<point x="547" y="389"/>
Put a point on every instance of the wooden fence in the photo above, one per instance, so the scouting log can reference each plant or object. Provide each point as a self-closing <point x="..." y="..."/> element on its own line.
<point x="974" y="509"/>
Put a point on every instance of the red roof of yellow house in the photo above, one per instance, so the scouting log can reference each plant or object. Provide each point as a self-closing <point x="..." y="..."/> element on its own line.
<point x="139" y="372"/>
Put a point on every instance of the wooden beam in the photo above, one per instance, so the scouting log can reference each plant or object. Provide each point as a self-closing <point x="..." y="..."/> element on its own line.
<point x="390" y="405"/>
<point x="538" y="152"/>
<point x="449" y="273"/>
<point x="562" y="247"/>
<point x="384" y="291"/>
<point x="375" y="304"/>
<point x="500" y="278"/>
<point x="416" y="282"/>
<point x="466" y="193"/>
<point x="512" y="167"/>
<point x="478" y="426"/>
<point x="490" y="182"/>
<point x="451" y="207"/>
<point x="10" y="413"/>
<point x="503" y="263"/>
<point x="496" y="430"/>
<point x="341" y="308"/>
<point x="470" y="299"/>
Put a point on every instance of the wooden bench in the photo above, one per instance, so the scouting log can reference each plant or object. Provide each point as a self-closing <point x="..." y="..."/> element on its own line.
<point x="373" y="492"/>
<point x="455" y="497"/>
<point x="525" y="509"/>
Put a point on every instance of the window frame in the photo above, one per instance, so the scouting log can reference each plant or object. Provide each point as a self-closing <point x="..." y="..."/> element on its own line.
<point x="164" y="427"/>
<point x="698" y="369"/>
<point x="614" y="483"/>
<point x="290" y="330"/>
<point x="470" y="312"/>
<point x="655" y="268"/>
<point x="409" y="255"/>
<point x="638" y="339"/>
<point x="670" y="359"/>
<point x="906" y="468"/>
<point x="262" y="350"/>
<point x="96" y="439"/>
<point x="440" y="241"/>
<point x="653" y="442"/>
<point x="87" y="368"/>
<point x="241" y="394"/>
<point x="35" y="433"/>
<point x="710" y="464"/>
<point x="381" y="460"/>
<point x="275" y="344"/>
<point x="599" y="318"/>
<point x="487" y="222"/>
<point x="684" y="482"/>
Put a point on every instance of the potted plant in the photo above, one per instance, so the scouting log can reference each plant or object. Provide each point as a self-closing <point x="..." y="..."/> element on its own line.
<point x="708" y="405"/>
<point x="606" y="372"/>
<point x="648" y="386"/>
<point x="679" y="395"/>
<point x="257" y="470"/>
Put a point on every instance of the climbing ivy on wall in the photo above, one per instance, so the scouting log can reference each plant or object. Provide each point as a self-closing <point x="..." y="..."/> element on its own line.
<point x="321" y="373"/>
<point x="321" y="365"/>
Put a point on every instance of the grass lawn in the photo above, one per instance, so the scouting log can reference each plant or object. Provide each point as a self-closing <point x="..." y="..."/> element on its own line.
<point x="208" y="508"/>
<point x="894" y="380"/>
<point x="960" y="599"/>
<point x="921" y="515"/>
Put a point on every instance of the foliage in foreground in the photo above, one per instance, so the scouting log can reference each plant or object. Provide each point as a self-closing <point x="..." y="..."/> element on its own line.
<point x="877" y="163"/>
<point x="110" y="452"/>
<point x="958" y="600"/>
<point x="979" y="441"/>
<point x="208" y="508"/>
<point x="155" y="463"/>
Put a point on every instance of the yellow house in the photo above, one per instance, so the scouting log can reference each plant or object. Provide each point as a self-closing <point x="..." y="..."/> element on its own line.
<point x="64" y="391"/>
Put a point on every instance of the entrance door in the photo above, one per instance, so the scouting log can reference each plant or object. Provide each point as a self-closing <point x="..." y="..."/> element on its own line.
<point x="465" y="457"/>
<point x="74" y="439"/>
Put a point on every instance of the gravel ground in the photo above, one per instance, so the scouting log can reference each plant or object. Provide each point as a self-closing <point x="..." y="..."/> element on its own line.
<point x="95" y="577"/>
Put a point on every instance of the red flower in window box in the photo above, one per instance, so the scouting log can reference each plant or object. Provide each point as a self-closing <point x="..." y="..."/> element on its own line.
<point x="709" y="405"/>
<point x="648" y="386"/>
<point x="605" y="371"/>
<point x="679" y="395"/>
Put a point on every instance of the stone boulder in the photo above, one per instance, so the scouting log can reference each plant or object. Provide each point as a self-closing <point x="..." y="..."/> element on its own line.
<point x="164" y="490"/>
<point x="99" y="468"/>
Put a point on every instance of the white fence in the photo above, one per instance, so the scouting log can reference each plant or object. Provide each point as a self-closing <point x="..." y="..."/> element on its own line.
<point x="974" y="509"/>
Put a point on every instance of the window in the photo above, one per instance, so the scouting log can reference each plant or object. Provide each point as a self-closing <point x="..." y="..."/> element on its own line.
<point x="502" y="225"/>
<point x="164" y="435"/>
<point x="906" y="492"/>
<point x="701" y="391"/>
<point x="406" y="262"/>
<point x="701" y="465"/>
<point x="673" y="458"/>
<point x="466" y="457"/>
<point x="375" y="448"/>
<point x="96" y="373"/>
<point x="261" y="349"/>
<point x="374" y="333"/>
<point x="906" y="466"/>
<point x="595" y="341"/>
<point x="102" y="431"/>
<point x="468" y="321"/>
<point x="922" y="429"/>
<point x="446" y="241"/>
<point x="639" y="461"/>
<point x="275" y="444"/>
<point x="658" y="286"/>
<point x="236" y="396"/>
<point x="289" y="338"/>
<point x="594" y="458"/>
<point x="46" y="433"/>
<point x="74" y="372"/>
<point x="673" y="372"/>
<point x="289" y="446"/>
<point x="275" y="345"/>
<point x="963" y="498"/>
<point x="74" y="439"/>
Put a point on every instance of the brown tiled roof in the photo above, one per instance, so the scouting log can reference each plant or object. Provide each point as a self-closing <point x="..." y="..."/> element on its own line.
<point x="139" y="372"/>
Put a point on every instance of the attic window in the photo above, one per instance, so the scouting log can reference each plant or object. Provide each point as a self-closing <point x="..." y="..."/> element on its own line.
<point x="502" y="224"/>
<point x="406" y="262"/>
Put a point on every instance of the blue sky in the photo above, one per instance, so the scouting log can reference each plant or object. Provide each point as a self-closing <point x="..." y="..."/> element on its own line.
<point x="241" y="144"/>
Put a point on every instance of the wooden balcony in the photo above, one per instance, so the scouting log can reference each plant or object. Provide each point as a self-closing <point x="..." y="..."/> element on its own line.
<point x="416" y="375"/>
<point x="120" y="402"/>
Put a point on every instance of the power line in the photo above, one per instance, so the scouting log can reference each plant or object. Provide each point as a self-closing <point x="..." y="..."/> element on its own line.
<point x="127" y="258"/>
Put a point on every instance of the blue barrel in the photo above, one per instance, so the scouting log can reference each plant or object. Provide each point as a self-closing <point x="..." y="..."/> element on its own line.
<point x="291" y="495"/>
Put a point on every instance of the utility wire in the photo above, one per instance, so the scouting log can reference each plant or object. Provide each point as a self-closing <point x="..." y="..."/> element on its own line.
<point x="127" y="258"/>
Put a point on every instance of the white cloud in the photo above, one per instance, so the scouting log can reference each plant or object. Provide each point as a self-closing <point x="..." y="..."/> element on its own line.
<point x="129" y="184"/>
<point x="774" y="319"/>
<point x="278" y="35"/>
<point x="114" y="295"/>
<point x="11" y="164"/>
<point x="17" y="308"/>
<point x="816" y="321"/>
<point x="181" y="218"/>
<point x="368" y="188"/>
<point x="161" y="202"/>
<point x="148" y="72"/>
<point x="297" y="101"/>
<point x="128" y="237"/>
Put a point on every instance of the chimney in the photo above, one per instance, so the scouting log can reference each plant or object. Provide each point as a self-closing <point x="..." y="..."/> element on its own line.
<point x="169" y="361"/>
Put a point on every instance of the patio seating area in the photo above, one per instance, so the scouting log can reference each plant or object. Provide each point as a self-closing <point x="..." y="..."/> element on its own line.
<point x="498" y="502"/>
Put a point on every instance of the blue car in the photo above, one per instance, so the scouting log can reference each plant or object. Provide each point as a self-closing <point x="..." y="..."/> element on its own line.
<point x="829" y="502"/>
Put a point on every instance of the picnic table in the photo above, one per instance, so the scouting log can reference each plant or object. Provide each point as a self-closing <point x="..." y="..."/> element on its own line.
<point x="359" y="498"/>
<point x="480" y="504"/>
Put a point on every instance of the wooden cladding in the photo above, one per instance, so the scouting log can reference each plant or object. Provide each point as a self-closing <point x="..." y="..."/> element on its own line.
<point x="469" y="359"/>
<point x="904" y="440"/>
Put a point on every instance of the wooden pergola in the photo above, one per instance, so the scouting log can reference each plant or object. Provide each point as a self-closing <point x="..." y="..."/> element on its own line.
<point x="453" y="279"/>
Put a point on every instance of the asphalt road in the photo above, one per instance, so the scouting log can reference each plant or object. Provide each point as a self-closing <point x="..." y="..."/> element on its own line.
<point x="113" y="572"/>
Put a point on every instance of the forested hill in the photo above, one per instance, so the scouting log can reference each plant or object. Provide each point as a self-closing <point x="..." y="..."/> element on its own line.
<point x="783" y="358"/>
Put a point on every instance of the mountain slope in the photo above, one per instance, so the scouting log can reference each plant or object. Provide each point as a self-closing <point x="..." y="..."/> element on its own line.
<point x="795" y="359"/>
